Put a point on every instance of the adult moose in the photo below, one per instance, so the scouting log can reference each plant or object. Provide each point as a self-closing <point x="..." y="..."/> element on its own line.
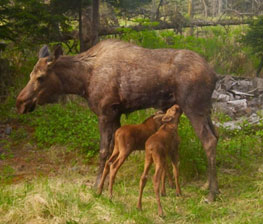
<point x="118" y="77"/>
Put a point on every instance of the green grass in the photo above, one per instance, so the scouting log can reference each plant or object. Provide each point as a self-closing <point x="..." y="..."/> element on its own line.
<point x="66" y="198"/>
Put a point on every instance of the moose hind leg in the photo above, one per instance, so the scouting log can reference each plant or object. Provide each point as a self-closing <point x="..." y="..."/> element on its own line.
<point x="205" y="131"/>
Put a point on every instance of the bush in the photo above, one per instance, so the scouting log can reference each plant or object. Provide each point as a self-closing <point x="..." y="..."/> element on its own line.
<point x="71" y="124"/>
<point x="219" y="46"/>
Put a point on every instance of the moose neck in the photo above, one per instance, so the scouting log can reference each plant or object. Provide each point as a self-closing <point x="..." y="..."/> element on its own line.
<point x="73" y="75"/>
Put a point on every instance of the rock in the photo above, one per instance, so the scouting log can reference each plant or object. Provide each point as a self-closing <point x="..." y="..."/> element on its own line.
<point x="223" y="97"/>
<point x="238" y="96"/>
<point x="8" y="130"/>
<point x="227" y="82"/>
<point x="28" y="147"/>
<point x="258" y="84"/>
<point x="240" y="122"/>
<point x="240" y="104"/>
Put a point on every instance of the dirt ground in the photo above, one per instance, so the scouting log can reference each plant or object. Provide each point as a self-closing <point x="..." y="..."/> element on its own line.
<point x="24" y="161"/>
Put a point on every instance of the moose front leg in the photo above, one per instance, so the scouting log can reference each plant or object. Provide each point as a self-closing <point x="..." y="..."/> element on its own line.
<point x="107" y="127"/>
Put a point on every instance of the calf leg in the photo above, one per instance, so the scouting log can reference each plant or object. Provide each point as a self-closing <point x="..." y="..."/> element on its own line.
<point x="205" y="131"/>
<point x="107" y="168"/>
<point x="163" y="189"/>
<point x="175" y="161"/>
<point x="143" y="180"/>
<point x="115" y="166"/>
<point x="170" y="178"/>
<point x="156" y="182"/>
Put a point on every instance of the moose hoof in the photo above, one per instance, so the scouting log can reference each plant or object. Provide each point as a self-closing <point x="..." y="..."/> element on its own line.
<point x="210" y="198"/>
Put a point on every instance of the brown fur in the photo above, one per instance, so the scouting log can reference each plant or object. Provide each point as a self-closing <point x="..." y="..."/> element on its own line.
<point x="129" y="138"/>
<point x="164" y="143"/>
<point x="118" y="77"/>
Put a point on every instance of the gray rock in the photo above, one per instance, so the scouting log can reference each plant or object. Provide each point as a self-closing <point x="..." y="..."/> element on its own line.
<point x="8" y="130"/>
<point x="258" y="84"/>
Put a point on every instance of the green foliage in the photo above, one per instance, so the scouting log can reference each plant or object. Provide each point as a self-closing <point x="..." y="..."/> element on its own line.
<point x="126" y="5"/>
<point x="7" y="173"/>
<point x="254" y="36"/>
<point x="27" y="23"/>
<point x="220" y="47"/>
<point x="72" y="125"/>
<point x="192" y="156"/>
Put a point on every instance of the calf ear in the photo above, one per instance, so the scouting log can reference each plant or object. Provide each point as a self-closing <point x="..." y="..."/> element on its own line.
<point x="158" y="112"/>
<point x="167" y="119"/>
<point x="158" y="116"/>
<point x="43" y="52"/>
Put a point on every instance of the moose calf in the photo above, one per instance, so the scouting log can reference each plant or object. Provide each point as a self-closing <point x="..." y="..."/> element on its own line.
<point x="127" y="139"/>
<point x="160" y="145"/>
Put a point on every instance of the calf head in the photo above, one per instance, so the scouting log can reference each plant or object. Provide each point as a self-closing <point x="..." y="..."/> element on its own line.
<point x="158" y="116"/>
<point x="172" y="115"/>
<point x="43" y="86"/>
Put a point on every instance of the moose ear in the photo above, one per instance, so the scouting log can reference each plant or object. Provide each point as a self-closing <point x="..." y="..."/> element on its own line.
<point x="43" y="52"/>
<point x="58" y="51"/>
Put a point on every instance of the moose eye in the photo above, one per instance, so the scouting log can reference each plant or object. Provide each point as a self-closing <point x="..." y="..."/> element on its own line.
<point x="40" y="79"/>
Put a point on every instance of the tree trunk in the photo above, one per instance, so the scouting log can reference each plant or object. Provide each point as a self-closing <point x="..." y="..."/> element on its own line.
<point x="214" y="7"/>
<point x="87" y="28"/>
<point x="190" y="8"/>
<point x="88" y="25"/>
<point x="219" y="7"/>
<point x="95" y="22"/>
<point x="158" y="10"/>
<point x="205" y="8"/>
<point x="191" y="14"/>
<point x="81" y="45"/>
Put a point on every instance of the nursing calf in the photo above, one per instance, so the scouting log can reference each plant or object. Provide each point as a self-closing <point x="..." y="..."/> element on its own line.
<point x="127" y="139"/>
<point x="164" y="143"/>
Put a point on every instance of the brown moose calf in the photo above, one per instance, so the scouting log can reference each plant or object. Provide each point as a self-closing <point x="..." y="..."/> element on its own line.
<point x="160" y="145"/>
<point x="127" y="139"/>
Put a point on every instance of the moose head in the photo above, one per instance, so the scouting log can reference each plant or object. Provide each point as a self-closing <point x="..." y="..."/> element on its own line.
<point x="43" y="86"/>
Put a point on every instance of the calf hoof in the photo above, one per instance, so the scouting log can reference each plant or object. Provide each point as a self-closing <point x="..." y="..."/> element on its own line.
<point x="178" y="194"/>
<point x="160" y="213"/>
<point x="99" y="191"/>
<point x="172" y="185"/>
<point x="163" y="194"/>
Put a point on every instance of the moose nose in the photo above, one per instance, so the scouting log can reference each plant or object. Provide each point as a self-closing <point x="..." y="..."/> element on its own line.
<point x="20" y="106"/>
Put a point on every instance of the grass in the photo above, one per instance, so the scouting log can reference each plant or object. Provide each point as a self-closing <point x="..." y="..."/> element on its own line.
<point x="52" y="182"/>
<point x="66" y="197"/>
